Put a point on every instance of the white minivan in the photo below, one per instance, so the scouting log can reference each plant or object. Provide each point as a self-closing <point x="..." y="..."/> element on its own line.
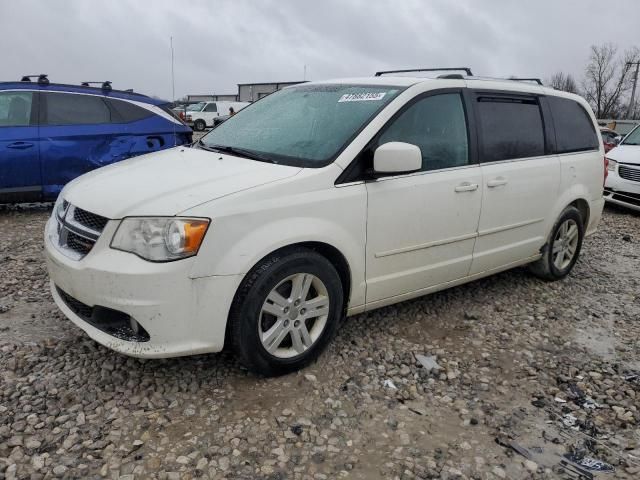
<point x="320" y="201"/>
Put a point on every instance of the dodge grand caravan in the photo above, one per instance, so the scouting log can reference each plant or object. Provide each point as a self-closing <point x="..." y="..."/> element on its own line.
<point x="320" y="201"/>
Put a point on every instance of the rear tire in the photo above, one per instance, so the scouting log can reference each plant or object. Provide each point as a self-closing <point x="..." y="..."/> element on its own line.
<point x="285" y="312"/>
<point x="563" y="247"/>
<point x="199" y="125"/>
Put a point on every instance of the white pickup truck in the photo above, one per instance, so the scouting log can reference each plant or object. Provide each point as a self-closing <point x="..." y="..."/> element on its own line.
<point x="203" y="114"/>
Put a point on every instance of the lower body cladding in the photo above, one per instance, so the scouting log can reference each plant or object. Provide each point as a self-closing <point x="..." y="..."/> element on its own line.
<point x="623" y="192"/>
<point x="139" y="308"/>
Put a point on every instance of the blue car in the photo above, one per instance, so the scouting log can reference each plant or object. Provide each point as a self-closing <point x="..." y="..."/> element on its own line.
<point x="52" y="133"/>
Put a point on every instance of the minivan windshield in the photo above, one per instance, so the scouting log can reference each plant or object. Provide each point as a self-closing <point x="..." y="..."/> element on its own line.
<point x="305" y="126"/>
<point x="633" y="138"/>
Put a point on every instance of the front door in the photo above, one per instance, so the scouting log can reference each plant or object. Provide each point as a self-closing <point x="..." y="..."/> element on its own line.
<point x="422" y="227"/>
<point x="20" y="176"/>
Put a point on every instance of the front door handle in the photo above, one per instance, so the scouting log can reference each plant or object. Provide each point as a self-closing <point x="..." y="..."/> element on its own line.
<point x="20" y="145"/>
<point x="497" y="182"/>
<point x="466" y="187"/>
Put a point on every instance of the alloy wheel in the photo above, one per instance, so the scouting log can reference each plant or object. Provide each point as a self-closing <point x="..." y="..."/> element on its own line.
<point x="565" y="244"/>
<point x="293" y="315"/>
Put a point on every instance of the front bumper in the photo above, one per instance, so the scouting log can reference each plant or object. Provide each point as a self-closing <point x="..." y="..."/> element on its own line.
<point x="621" y="191"/>
<point x="182" y="315"/>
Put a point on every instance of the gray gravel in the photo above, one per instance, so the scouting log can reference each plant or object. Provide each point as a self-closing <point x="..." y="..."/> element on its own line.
<point x="547" y="365"/>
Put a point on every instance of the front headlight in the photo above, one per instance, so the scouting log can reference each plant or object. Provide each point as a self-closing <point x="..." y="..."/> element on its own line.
<point x="160" y="239"/>
<point x="611" y="165"/>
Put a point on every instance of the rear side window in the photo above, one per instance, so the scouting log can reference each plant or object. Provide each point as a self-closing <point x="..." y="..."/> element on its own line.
<point x="125" y="112"/>
<point x="15" y="109"/>
<point x="574" y="130"/>
<point x="75" y="109"/>
<point x="511" y="128"/>
<point x="438" y="126"/>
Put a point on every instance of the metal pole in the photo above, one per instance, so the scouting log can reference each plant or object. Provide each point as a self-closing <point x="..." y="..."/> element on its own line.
<point x="633" y="90"/>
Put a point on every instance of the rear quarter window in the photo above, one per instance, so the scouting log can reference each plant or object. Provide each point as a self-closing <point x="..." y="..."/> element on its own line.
<point x="125" y="112"/>
<point x="574" y="129"/>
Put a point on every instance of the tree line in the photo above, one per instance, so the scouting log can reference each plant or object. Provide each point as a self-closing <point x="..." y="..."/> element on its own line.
<point x="607" y="82"/>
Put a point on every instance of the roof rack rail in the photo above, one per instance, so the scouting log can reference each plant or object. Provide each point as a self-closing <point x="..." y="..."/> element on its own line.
<point x="467" y="70"/>
<point x="42" y="78"/>
<point x="106" y="85"/>
<point x="517" y="79"/>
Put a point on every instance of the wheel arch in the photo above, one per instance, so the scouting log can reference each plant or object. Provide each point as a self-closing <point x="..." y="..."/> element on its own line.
<point x="585" y="211"/>
<point x="331" y="253"/>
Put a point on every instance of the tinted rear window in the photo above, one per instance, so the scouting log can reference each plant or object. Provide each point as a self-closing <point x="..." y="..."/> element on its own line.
<point x="75" y="109"/>
<point x="511" y="128"/>
<point x="574" y="130"/>
<point x="124" y="112"/>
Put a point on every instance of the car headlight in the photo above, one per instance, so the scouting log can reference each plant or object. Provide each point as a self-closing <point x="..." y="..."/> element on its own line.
<point x="160" y="239"/>
<point x="611" y="165"/>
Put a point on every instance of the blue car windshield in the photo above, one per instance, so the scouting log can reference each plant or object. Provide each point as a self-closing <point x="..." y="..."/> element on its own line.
<point x="306" y="125"/>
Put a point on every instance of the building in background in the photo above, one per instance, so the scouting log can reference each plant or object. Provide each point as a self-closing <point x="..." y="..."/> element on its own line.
<point x="250" y="92"/>
<point x="230" y="97"/>
<point x="247" y="92"/>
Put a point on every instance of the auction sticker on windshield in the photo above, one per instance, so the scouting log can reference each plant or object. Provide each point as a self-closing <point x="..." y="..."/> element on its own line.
<point x="362" y="97"/>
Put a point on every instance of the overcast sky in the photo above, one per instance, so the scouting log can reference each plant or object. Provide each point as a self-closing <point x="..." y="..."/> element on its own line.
<point x="219" y="43"/>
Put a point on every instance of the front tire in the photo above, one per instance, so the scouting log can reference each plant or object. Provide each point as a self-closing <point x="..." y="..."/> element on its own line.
<point x="286" y="311"/>
<point x="563" y="247"/>
<point x="199" y="125"/>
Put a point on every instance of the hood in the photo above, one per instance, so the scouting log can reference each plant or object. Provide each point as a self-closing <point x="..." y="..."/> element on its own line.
<point x="625" y="154"/>
<point x="168" y="182"/>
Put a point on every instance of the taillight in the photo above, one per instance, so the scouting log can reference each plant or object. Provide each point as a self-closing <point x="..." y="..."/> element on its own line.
<point x="606" y="170"/>
<point x="181" y="115"/>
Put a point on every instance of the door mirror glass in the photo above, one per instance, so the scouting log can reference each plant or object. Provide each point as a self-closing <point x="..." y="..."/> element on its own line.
<point x="397" y="157"/>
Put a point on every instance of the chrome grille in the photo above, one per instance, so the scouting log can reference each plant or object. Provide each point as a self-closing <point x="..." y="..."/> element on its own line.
<point x="629" y="173"/>
<point x="77" y="230"/>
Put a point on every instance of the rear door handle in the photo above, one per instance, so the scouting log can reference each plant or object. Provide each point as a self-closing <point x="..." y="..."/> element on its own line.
<point x="466" y="187"/>
<point x="20" y="145"/>
<point x="497" y="182"/>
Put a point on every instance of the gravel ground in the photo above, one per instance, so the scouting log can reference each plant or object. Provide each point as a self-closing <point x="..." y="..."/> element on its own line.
<point x="548" y="367"/>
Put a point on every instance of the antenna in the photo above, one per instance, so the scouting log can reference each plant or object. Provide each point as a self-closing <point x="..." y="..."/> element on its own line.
<point x="173" y="91"/>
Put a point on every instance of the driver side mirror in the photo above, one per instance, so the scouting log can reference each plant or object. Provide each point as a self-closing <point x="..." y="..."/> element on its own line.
<point x="396" y="158"/>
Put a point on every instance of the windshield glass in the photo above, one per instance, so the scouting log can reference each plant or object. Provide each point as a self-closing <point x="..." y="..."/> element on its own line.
<point x="304" y="126"/>
<point x="195" y="107"/>
<point x="633" y="138"/>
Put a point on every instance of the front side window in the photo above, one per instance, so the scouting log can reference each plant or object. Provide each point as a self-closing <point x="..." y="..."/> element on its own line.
<point x="574" y="129"/>
<point x="306" y="125"/>
<point x="633" y="138"/>
<point x="438" y="126"/>
<point x="75" y="109"/>
<point x="511" y="128"/>
<point x="211" y="108"/>
<point x="15" y="109"/>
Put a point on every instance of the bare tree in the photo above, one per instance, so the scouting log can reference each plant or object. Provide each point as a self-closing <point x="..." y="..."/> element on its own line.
<point x="563" y="81"/>
<point x="607" y="80"/>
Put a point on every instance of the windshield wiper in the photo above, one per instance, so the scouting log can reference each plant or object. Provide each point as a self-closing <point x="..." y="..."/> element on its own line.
<point x="240" y="152"/>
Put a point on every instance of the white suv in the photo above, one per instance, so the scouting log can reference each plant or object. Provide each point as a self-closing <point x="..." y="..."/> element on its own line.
<point x="324" y="200"/>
